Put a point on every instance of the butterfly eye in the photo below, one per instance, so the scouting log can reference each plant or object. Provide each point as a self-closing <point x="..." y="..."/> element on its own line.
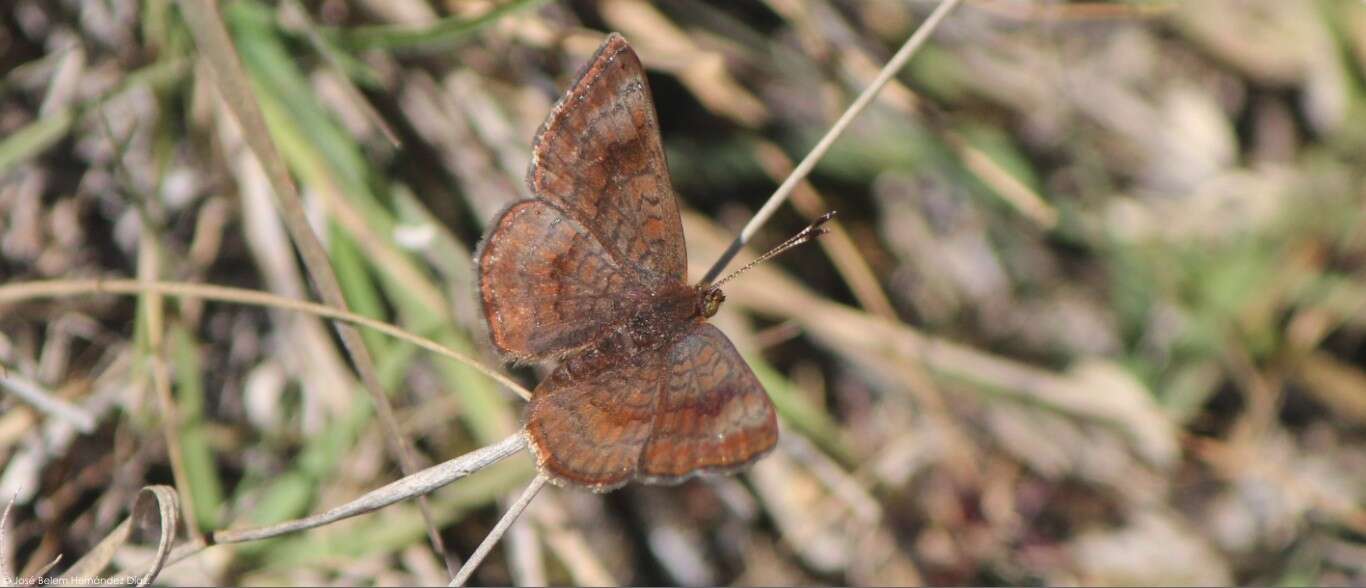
<point x="712" y="302"/>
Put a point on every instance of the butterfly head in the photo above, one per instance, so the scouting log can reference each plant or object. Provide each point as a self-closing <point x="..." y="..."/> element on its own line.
<point x="712" y="297"/>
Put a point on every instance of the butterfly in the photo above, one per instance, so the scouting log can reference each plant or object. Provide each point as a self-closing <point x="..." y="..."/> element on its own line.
<point x="592" y="271"/>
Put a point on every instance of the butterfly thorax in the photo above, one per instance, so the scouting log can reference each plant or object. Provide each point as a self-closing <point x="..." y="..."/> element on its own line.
<point x="670" y="310"/>
<point x="659" y="319"/>
<point x="661" y="316"/>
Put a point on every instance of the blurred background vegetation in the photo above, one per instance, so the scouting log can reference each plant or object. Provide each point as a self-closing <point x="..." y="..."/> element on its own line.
<point x="1095" y="311"/>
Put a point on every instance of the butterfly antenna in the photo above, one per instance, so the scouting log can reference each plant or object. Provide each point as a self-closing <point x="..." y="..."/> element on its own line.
<point x="810" y="232"/>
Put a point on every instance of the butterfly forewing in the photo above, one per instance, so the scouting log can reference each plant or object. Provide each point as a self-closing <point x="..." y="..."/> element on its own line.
<point x="599" y="158"/>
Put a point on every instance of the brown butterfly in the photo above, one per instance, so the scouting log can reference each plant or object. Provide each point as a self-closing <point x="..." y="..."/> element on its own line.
<point x="592" y="271"/>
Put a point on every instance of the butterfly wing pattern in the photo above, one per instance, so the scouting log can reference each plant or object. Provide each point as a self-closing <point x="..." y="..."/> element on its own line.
<point x="548" y="286"/>
<point x="590" y="431"/>
<point x="599" y="157"/>
<point x="712" y="414"/>
<point x="562" y="273"/>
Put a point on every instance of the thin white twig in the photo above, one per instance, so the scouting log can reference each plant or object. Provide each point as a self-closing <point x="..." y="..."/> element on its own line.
<point x="42" y="572"/>
<point x="416" y="484"/>
<point x="4" y="520"/>
<point x="19" y="291"/>
<point x="509" y="517"/>
<point x="34" y="394"/>
<point x="526" y="558"/>
<point x="799" y="173"/>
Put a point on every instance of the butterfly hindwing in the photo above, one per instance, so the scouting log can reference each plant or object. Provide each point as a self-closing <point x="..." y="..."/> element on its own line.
<point x="712" y="414"/>
<point x="589" y="429"/>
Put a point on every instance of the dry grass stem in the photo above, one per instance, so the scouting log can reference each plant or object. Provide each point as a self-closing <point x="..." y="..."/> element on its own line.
<point x="411" y="486"/>
<point x="837" y="244"/>
<point x="166" y="519"/>
<point x="212" y="37"/>
<point x="894" y="65"/>
<point x="46" y="403"/>
<point x="149" y="267"/>
<point x="17" y="292"/>
<point x="5" y="552"/>
<point x="498" y="530"/>
<point x="586" y="567"/>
